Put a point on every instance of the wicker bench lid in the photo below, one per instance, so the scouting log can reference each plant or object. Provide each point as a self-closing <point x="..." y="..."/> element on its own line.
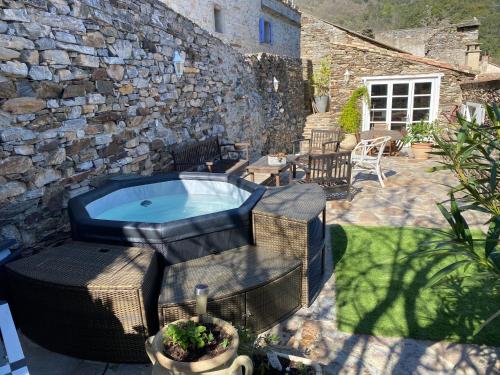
<point x="89" y="265"/>
<point x="225" y="274"/>
<point x="295" y="202"/>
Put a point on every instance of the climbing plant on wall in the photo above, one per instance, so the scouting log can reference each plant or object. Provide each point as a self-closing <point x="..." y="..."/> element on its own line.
<point x="351" y="116"/>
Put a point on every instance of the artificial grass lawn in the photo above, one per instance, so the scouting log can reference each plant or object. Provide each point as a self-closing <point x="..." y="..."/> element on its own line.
<point x="380" y="292"/>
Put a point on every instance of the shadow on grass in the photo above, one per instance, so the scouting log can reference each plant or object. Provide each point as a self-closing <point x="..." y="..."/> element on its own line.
<point x="382" y="292"/>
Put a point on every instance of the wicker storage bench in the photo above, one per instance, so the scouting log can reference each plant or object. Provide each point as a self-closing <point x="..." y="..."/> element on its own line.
<point x="248" y="286"/>
<point x="287" y="221"/>
<point x="87" y="300"/>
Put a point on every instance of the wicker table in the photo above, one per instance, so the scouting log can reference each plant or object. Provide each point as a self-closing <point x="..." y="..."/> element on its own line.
<point x="394" y="144"/>
<point x="287" y="221"/>
<point x="262" y="166"/>
<point x="87" y="300"/>
<point x="248" y="286"/>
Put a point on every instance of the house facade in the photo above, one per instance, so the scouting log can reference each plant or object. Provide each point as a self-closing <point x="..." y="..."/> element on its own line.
<point x="403" y="88"/>
<point x="457" y="44"/>
<point x="251" y="26"/>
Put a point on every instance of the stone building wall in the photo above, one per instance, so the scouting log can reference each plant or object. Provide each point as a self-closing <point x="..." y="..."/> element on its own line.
<point x="240" y="23"/>
<point x="364" y="62"/>
<point x="446" y="43"/>
<point x="87" y="88"/>
<point x="485" y="91"/>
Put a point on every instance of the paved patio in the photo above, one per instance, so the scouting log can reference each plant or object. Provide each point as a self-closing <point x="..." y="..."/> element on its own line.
<point x="408" y="200"/>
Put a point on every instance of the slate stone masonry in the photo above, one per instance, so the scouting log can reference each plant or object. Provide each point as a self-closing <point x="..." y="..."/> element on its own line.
<point x="88" y="88"/>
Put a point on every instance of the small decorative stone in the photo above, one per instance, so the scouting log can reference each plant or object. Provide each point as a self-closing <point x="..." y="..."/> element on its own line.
<point x="126" y="89"/>
<point x="23" y="105"/>
<point x="96" y="99"/>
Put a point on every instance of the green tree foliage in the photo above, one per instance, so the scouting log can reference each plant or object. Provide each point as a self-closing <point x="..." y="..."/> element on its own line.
<point x="396" y="14"/>
<point x="350" y="116"/>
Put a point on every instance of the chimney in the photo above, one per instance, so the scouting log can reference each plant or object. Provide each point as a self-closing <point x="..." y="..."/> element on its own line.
<point x="473" y="55"/>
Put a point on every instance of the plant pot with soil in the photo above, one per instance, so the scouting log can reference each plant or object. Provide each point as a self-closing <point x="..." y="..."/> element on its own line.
<point x="420" y="137"/>
<point x="197" y="346"/>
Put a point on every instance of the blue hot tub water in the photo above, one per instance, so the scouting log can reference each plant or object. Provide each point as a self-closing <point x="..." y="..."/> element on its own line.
<point x="167" y="201"/>
<point x="169" y="208"/>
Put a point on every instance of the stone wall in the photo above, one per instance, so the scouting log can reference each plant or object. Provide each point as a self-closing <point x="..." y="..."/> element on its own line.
<point x="240" y="23"/>
<point x="484" y="91"/>
<point x="87" y="88"/>
<point x="445" y="43"/>
<point x="365" y="62"/>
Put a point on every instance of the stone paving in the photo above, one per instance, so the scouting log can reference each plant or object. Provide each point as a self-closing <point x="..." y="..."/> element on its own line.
<point x="407" y="200"/>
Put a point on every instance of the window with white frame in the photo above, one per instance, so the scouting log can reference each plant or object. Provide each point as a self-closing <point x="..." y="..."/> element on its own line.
<point x="473" y="112"/>
<point x="402" y="100"/>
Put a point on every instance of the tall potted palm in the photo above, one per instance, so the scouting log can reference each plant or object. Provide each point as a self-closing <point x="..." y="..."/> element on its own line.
<point x="321" y="85"/>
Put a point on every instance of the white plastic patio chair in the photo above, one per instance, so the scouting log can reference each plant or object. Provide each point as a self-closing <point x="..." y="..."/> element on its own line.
<point x="367" y="154"/>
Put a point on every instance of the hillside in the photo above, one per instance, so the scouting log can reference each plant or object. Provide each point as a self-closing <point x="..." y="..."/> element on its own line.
<point x="364" y="15"/>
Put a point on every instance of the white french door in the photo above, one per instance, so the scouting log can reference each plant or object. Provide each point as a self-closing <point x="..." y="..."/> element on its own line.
<point x="399" y="101"/>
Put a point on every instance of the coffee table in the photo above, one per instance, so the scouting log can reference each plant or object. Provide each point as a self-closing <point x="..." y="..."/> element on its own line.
<point x="262" y="166"/>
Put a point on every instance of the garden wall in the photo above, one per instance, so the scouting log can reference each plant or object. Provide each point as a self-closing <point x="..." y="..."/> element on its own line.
<point x="87" y="88"/>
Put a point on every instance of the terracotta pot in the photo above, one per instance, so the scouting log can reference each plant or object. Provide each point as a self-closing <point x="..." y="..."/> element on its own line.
<point x="349" y="142"/>
<point x="227" y="363"/>
<point x="421" y="150"/>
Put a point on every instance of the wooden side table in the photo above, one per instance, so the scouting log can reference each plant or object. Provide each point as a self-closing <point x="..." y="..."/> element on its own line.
<point x="262" y="166"/>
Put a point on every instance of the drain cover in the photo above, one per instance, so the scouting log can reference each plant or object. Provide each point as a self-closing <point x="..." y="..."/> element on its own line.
<point x="146" y="203"/>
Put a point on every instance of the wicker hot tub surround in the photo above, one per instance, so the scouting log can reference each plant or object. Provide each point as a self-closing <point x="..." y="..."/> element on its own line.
<point x="100" y="302"/>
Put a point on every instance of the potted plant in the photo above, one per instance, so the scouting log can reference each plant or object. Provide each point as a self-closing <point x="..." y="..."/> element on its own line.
<point x="321" y="85"/>
<point x="197" y="346"/>
<point x="351" y="117"/>
<point x="420" y="137"/>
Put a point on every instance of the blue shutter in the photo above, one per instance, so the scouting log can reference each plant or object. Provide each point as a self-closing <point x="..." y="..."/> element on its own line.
<point x="270" y="33"/>
<point x="262" y="34"/>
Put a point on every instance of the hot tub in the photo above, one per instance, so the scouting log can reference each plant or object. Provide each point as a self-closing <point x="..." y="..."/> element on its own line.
<point x="181" y="215"/>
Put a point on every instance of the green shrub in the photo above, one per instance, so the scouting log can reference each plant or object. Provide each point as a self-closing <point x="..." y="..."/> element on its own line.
<point x="351" y="116"/>
<point x="321" y="78"/>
